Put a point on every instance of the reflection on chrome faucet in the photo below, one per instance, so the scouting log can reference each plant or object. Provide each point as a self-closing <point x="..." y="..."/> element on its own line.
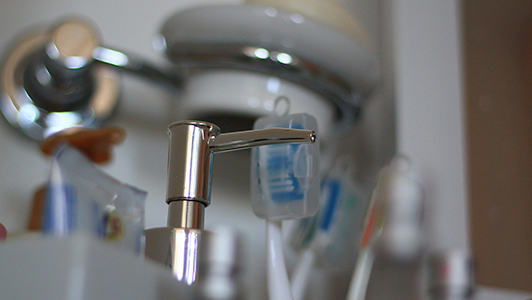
<point x="62" y="78"/>
<point x="191" y="149"/>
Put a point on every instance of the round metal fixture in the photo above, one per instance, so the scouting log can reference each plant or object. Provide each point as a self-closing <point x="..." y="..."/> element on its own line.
<point x="50" y="82"/>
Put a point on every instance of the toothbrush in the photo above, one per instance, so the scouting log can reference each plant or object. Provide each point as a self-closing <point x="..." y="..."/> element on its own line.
<point x="395" y="208"/>
<point x="281" y="186"/>
<point x="339" y="222"/>
<point x="360" y="279"/>
<point x="300" y="276"/>
<point x="278" y="282"/>
<point x="284" y="186"/>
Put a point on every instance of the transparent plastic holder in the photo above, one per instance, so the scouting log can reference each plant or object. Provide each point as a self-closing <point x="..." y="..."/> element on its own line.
<point x="83" y="198"/>
<point x="285" y="178"/>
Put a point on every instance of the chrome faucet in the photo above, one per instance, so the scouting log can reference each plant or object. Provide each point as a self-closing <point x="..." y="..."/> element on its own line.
<point x="62" y="77"/>
<point x="190" y="158"/>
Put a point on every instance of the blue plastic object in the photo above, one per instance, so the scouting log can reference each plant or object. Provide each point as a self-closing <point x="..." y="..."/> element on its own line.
<point x="285" y="179"/>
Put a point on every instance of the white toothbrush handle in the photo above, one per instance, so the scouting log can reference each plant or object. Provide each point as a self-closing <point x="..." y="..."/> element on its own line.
<point x="300" y="277"/>
<point x="278" y="282"/>
<point x="361" y="275"/>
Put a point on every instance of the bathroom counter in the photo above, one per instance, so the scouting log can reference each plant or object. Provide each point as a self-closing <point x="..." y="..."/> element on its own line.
<point x="81" y="267"/>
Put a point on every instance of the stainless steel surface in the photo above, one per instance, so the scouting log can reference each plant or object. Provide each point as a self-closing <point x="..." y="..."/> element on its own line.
<point x="28" y="73"/>
<point x="158" y="244"/>
<point x="348" y="100"/>
<point x="176" y="248"/>
<point x="132" y="64"/>
<point x="451" y="276"/>
<point x="72" y="44"/>
<point x="266" y="48"/>
<point x="186" y="214"/>
<point x="190" y="161"/>
<point x="253" y="138"/>
<point x="183" y="256"/>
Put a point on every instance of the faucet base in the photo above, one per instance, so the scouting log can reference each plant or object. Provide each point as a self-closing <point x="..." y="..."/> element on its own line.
<point x="176" y="248"/>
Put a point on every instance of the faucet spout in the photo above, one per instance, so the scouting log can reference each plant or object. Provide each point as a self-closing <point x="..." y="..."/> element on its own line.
<point x="253" y="138"/>
<point x="193" y="143"/>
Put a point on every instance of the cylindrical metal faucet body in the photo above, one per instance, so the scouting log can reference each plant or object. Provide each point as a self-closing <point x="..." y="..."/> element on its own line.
<point x="190" y="161"/>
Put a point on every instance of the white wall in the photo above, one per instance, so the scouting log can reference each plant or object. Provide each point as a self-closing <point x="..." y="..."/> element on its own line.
<point x="429" y="110"/>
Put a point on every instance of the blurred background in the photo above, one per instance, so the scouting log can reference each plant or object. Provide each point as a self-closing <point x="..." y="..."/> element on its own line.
<point x="454" y="96"/>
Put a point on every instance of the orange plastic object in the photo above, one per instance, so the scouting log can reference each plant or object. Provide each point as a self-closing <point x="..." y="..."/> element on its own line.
<point x="95" y="143"/>
<point x="3" y="232"/>
<point x="37" y="208"/>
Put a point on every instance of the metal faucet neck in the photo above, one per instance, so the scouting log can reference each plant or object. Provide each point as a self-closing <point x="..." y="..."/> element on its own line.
<point x="186" y="214"/>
